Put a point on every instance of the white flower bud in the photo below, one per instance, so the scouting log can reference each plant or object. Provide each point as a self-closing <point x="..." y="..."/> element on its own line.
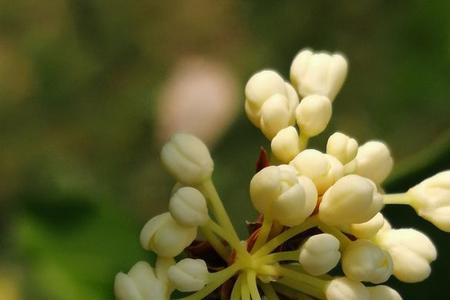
<point x="367" y="229"/>
<point x="313" y="114"/>
<point x="431" y="200"/>
<point x="319" y="254"/>
<point x="140" y="283"/>
<point x="260" y="87"/>
<point x="285" y="145"/>
<point x="352" y="199"/>
<point x="343" y="288"/>
<point x="342" y="147"/>
<point x="318" y="73"/>
<point x="163" y="235"/>
<point x="323" y="169"/>
<point x="374" y="161"/>
<point x="277" y="191"/>
<point x="362" y="260"/>
<point x="383" y="292"/>
<point x="187" y="159"/>
<point x="276" y="114"/>
<point x="411" y="252"/>
<point x="189" y="275"/>
<point x="188" y="207"/>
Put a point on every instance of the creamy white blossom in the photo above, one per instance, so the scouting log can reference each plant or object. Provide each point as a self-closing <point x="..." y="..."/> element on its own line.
<point x="188" y="207"/>
<point x="362" y="260"/>
<point x="319" y="254"/>
<point x="313" y="114"/>
<point x="367" y="229"/>
<point x="352" y="199"/>
<point x="270" y="102"/>
<point x="374" y="161"/>
<point x="411" y="252"/>
<point x="318" y="73"/>
<point x="383" y="292"/>
<point x="323" y="169"/>
<point x="141" y="283"/>
<point x="280" y="193"/>
<point x="343" y="288"/>
<point x="189" y="275"/>
<point x="343" y="147"/>
<point x="431" y="200"/>
<point x="163" y="235"/>
<point x="286" y="145"/>
<point x="187" y="159"/>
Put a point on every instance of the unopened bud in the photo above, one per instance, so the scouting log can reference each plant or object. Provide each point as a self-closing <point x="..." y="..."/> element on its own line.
<point x="188" y="207"/>
<point x="319" y="254"/>
<point x="374" y="161"/>
<point x="342" y="147"/>
<point x="411" y="252"/>
<point x="431" y="200"/>
<point x="352" y="199"/>
<point x="285" y="145"/>
<point x="362" y="260"/>
<point x="343" y="288"/>
<point x="164" y="236"/>
<point x="313" y="114"/>
<point x="318" y="73"/>
<point x="187" y="159"/>
<point x="323" y="169"/>
<point x="383" y="292"/>
<point x="189" y="275"/>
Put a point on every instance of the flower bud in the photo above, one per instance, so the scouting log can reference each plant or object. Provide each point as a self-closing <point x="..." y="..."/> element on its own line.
<point x="352" y="199"/>
<point x="323" y="169"/>
<point x="285" y="145"/>
<point x="139" y="283"/>
<point x="362" y="260"/>
<point x="374" y="161"/>
<point x="342" y="147"/>
<point x="313" y="114"/>
<point x="276" y="114"/>
<point x="164" y="236"/>
<point x="319" y="254"/>
<point x="343" y="288"/>
<point x="367" y="229"/>
<point x="411" y="252"/>
<point x="318" y="73"/>
<point x="188" y="207"/>
<point x="187" y="159"/>
<point x="431" y="200"/>
<point x="189" y="275"/>
<point x="277" y="191"/>
<point x="383" y="292"/>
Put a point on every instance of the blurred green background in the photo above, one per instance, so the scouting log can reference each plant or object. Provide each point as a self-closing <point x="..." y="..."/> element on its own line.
<point x="89" y="89"/>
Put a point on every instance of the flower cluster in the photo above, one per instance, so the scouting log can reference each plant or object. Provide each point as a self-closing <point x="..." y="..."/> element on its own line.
<point x="317" y="209"/>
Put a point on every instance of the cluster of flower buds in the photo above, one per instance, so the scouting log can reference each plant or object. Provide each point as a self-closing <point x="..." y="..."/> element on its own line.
<point x="318" y="210"/>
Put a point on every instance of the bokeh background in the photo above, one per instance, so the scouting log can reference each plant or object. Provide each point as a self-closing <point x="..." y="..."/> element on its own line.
<point x="90" y="89"/>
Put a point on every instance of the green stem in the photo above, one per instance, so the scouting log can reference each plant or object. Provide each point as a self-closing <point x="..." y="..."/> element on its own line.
<point x="290" y="292"/>
<point x="236" y="292"/>
<point x="401" y="198"/>
<point x="216" y="280"/>
<point x="279" y="256"/>
<point x="303" y="141"/>
<point x="215" y="242"/>
<point x="263" y="233"/>
<point x="269" y="291"/>
<point x="209" y="190"/>
<point x="245" y="292"/>
<point x="283" y="237"/>
<point x="251" y="281"/>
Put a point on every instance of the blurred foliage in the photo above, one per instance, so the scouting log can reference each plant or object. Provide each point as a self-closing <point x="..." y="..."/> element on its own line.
<point x="78" y="86"/>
